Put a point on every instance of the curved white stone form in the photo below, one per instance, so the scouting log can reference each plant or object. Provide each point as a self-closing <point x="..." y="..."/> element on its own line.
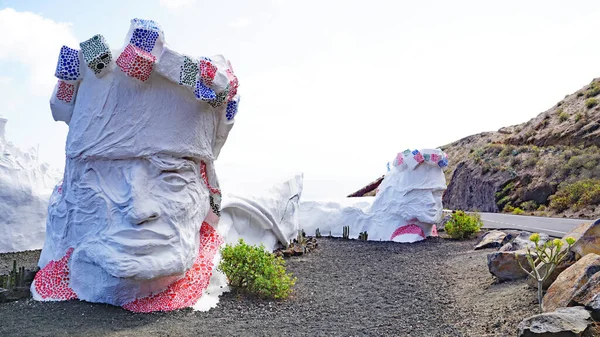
<point x="270" y="217"/>
<point x="25" y="187"/>
<point x="145" y="126"/>
<point x="406" y="208"/>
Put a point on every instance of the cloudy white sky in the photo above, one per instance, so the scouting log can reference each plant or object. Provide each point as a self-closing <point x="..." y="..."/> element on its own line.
<point x="329" y="88"/>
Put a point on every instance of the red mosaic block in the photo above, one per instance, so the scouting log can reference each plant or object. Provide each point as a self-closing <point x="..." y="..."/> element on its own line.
<point x="205" y="178"/>
<point x="186" y="291"/>
<point x="52" y="281"/>
<point x="408" y="229"/>
<point x="136" y="62"/>
<point x="233" y="84"/>
<point x="65" y="91"/>
<point x="208" y="71"/>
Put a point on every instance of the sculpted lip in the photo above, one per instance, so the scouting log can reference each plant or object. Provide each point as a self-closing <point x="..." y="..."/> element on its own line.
<point x="141" y="238"/>
<point x="408" y="229"/>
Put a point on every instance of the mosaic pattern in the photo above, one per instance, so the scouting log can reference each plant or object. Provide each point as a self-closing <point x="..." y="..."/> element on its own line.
<point x="434" y="231"/>
<point x="65" y="91"/>
<point x="232" y="109"/>
<point x="144" y="39"/>
<point x="96" y="53"/>
<point x="186" y="291"/>
<point x="214" y="206"/>
<point x="419" y="157"/>
<point x="431" y="158"/>
<point x="220" y="98"/>
<point x="233" y="83"/>
<point x="205" y="178"/>
<point x="189" y="72"/>
<point x="408" y="229"/>
<point x="136" y="62"/>
<point x="67" y="68"/>
<point x="207" y="71"/>
<point x="204" y="93"/>
<point x="146" y="24"/>
<point x="52" y="281"/>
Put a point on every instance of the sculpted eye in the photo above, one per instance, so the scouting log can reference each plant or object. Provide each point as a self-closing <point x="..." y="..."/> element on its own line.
<point x="174" y="180"/>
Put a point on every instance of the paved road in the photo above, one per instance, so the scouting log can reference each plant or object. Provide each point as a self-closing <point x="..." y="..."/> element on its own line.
<point x="556" y="227"/>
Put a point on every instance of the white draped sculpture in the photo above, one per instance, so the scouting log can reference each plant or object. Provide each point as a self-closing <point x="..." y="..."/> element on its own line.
<point x="406" y="207"/>
<point x="25" y="187"/>
<point x="133" y="223"/>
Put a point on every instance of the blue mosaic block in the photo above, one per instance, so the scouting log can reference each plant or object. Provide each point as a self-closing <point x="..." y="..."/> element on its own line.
<point x="146" y="24"/>
<point x="96" y="53"/>
<point x="443" y="162"/>
<point x="415" y="152"/>
<point x="67" y="68"/>
<point x="144" y="39"/>
<point x="204" y="93"/>
<point x="232" y="109"/>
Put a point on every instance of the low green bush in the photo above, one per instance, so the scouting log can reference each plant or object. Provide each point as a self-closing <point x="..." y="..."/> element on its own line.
<point x="591" y="102"/>
<point x="253" y="269"/>
<point x="462" y="225"/>
<point x="563" y="116"/>
<point x="518" y="211"/>
<point x="578" y="195"/>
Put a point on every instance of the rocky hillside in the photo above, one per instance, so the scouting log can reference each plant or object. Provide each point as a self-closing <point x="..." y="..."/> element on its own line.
<point x="549" y="166"/>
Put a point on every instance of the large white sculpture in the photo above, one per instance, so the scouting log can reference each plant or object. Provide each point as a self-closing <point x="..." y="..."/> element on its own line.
<point x="405" y="209"/>
<point x="25" y="187"/>
<point x="133" y="223"/>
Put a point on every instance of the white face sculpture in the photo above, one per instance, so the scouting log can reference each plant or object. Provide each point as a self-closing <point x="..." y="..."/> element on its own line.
<point x="154" y="209"/>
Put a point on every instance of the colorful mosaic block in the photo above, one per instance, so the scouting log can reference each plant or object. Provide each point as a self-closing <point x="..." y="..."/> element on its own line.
<point x="136" y="62"/>
<point x="96" y="54"/>
<point x="204" y="93"/>
<point x="435" y="158"/>
<point x="207" y="71"/>
<point x="65" y="91"/>
<point x="144" y="39"/>
<point x="147" y="24"/>
<point x="220" y="98"/>
<point x="67" y="68"/>
<point x="443" y="162"/>
<point x="189" y="72"/>
<point x="232" y="109"/>
<point x="233" y="83"/>
<point x="419" y="158"/>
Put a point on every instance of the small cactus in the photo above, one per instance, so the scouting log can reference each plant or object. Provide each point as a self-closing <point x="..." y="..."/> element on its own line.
<point x="363" y="236"/>
<point x="346" y="233"/>
<point x="317" y="233"/>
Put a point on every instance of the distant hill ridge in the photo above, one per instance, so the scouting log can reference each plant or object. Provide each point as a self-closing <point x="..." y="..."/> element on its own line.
<point x="548" y="166"/>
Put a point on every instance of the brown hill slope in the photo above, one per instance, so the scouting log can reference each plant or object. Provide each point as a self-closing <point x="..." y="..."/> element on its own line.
<point x="549" y="165"/>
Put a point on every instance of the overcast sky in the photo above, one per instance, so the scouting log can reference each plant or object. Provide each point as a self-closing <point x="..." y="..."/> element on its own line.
<point x="333" y="89"/>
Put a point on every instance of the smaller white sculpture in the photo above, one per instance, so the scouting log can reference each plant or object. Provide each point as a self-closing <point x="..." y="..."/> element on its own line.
<point x="25" y="187"/>
<point x="269" y="217"/>
<point x="406" y="208"/>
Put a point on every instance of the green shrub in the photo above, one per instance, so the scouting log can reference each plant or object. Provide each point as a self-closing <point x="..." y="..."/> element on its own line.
<point x="593" y="90"/>
<point x="563" y="116"/>
<point x="508" y="208"/>
<point x="529" y="205"/>
<point x="578" y="117"/>
<point x="577" y="195"/>
<point x="517" y="211"/>
<point x="579" y="94"/>
<point x="591" y="102"/>
<point x="253" y="269"/>
<point x="462" y="225"/>
<point x="542" y="208"/>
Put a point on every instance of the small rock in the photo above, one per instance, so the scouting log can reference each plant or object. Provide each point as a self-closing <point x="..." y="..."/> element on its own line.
<point x="505" y="265"/>
<point x="492" y="239"/>
<point x="572" y="321"/>
<point x="570" y="281"/>
<point x="522" y="242"/>
<point x="587" y="236"/>
<point x="589" y="296"/>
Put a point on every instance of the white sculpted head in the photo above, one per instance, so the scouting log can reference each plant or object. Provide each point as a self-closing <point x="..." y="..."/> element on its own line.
<point x="409" y="200"/>
<point x="128" y="222"/>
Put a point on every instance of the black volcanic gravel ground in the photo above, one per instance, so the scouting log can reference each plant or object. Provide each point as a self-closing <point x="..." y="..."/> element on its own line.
<point x="345" y="288"/>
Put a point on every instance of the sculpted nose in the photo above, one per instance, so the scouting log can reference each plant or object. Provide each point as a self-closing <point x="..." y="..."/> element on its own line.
<point x="142" y="213"/>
